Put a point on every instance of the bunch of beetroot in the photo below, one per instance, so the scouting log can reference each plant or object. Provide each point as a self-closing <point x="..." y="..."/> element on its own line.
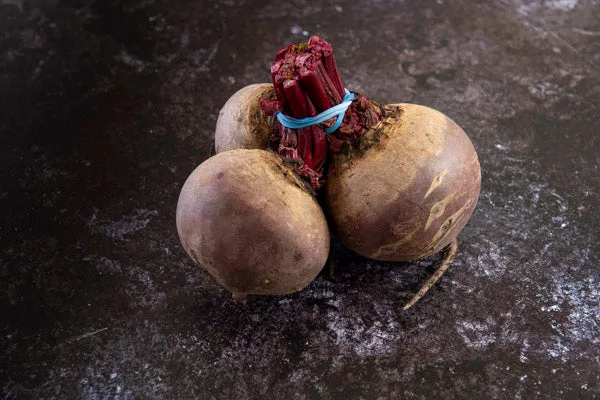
<point x="395" y="182"/>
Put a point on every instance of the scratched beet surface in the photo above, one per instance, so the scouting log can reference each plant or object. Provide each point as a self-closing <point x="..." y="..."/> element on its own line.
<point x="106" y="106"/>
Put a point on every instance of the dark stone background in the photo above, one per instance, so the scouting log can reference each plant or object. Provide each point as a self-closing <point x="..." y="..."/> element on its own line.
<point x="106" y="106"/>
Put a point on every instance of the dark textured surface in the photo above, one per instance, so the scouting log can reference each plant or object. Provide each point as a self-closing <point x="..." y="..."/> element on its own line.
<point x="107" y="106"/>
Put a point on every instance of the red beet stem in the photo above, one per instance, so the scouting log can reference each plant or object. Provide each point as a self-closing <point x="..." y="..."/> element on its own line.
<point x="315" y="90"/>
<point x="297" y="101"/>
<point x="319" y="148"/>
<point x="305" y="143"/>
<point x="307" y="81"/>
<point x="319" y="87"/>
<point x="332" y="71"/>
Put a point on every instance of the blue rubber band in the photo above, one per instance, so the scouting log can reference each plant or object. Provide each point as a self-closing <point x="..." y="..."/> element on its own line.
<point x="339" y="110"/>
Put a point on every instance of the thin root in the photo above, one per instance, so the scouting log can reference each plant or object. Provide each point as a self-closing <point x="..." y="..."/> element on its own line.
<point x="449" y="254"/>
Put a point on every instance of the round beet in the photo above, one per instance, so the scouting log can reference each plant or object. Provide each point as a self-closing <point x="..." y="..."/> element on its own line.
<point x="249" y="221"/>
<point x="242" y="124"/>
<point x="409" y="188"/>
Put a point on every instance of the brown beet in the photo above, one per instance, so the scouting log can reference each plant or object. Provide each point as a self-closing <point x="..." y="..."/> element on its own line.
<point x="249" y="221"/>
<point x="404" y="184"/>
<point x="408" y="190"/>
<point x="242" y="124"/>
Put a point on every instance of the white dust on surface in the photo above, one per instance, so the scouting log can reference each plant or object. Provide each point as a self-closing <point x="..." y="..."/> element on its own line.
<point x="131" y="61"/>
<point x="298" y="30"/>
<point x="567" y="310"/>
<point x="564" y="5"/>
<point x="122" y="228"/>
<point x="581" y="300"/>
<point x="354" y="336"/>
<point x="560" y="5"/>
<point x="477" y="334"/>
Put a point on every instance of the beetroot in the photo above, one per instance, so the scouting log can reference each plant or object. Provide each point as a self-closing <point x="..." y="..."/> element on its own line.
<point x="242" y="124"/>
<point x="250" y="222"/>
<point x="407" y="190"/>
<point x="397" y="182"/>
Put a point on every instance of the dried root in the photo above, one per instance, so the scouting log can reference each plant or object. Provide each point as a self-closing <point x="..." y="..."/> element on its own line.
<point x="448" y="257"/>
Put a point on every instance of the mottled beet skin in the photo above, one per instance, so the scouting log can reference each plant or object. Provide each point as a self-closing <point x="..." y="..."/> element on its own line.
<point x="409" y="191"/>
<point x="241" y="123"/>
<point x="249" y="221"/>
<point x="307" y="82"/>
